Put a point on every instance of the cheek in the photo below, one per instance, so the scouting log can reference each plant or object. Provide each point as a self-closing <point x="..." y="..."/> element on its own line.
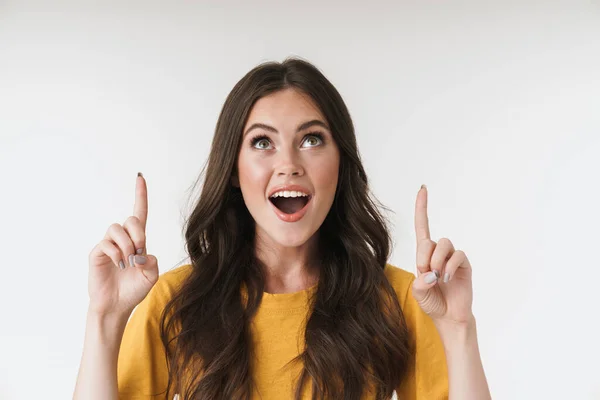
<point x="325" y="174"/>
<point x="253" y="175"/>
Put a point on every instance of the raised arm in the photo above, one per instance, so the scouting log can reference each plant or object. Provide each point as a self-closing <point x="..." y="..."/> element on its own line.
<point x="121" y="274"/>
<point x="444" y="291"/>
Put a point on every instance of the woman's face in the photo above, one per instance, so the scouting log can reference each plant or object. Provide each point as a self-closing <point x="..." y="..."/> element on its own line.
<point x="287" y="167"/>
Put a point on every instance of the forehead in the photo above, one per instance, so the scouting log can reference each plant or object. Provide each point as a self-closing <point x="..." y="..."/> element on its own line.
<point x="285" y="109"/>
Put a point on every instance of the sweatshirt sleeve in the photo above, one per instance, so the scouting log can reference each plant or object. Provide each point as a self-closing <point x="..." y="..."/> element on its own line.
<point x="428" y="376"/>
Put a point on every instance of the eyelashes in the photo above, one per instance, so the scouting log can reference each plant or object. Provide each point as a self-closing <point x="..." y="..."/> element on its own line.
<point x="318" y="135"/>
<point x="257" y="139"/>
<point x="260" y="137"/>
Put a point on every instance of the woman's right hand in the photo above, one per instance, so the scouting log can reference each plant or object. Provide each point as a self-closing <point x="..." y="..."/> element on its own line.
<point x="113" y="289"/>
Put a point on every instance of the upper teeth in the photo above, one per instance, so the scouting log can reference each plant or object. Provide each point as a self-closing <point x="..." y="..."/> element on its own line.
<point x="288" y="193"/>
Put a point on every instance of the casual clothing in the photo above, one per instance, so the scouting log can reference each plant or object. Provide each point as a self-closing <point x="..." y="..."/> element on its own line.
<point x="277" y="336"/>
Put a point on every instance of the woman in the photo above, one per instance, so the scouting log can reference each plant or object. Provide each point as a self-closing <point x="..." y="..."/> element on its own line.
<point x="288" y="294"/>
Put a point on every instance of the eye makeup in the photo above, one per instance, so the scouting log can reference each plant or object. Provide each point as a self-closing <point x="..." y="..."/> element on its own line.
<point x="256" y="139"/>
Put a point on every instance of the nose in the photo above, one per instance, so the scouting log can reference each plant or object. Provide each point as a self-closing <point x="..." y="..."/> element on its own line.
<point x="289" y="164"/>
<point x="291" y="171"/>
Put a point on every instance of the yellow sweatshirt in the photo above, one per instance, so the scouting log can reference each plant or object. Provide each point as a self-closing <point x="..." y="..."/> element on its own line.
<point x="142" y="367"/>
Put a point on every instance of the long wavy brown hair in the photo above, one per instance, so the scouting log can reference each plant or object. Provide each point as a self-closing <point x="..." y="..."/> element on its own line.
<point x="355" y="334"/>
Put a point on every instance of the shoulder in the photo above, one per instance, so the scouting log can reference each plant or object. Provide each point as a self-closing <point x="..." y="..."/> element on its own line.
<point x="401" y="280"/>
<point x="398" y="275"/>
<point x="166" y="286"/>
<point x="172" y="279"/>
<point x="428" y="376"/>
<point x="142" y="364"/>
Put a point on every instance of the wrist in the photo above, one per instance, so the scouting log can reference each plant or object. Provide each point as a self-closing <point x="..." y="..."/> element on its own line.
<point x="107" y="316"/>
<point x="107" y="327"/>
<point x="455" y="333"/>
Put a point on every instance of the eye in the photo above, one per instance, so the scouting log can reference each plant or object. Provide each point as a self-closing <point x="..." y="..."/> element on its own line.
<point x="313" y="139"/>
<point x="260" y="142"/>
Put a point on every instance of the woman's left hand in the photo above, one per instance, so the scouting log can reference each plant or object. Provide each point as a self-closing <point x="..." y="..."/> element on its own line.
<point x="443" y="287"/>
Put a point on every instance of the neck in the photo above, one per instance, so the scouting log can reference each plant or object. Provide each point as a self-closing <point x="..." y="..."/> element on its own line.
<point x="287" y="269"/>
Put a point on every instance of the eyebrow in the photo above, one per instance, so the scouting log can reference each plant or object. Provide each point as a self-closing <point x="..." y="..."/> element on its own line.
<point x="301" y="127"/>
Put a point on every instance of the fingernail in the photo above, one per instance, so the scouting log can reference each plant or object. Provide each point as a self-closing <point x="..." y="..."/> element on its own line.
<point x="140" y="174"/>
<point x="431" y="277"/>
<point x="139" y="251"/>
<point x="423" y="186"/>
<point x="131" y="260"/>
<point x="140" y="259"/>
<point x="121" y="264"/>
<point x="446" y="277"/>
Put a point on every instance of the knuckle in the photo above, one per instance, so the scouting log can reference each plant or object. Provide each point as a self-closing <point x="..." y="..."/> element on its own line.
<point x="140" y="243"/>
<point x="445" y="241"/>
<point x="99" y="248"/>
<point x="422" y="265"/>
<point x="108" y="248"/>
<point x="427" y="246"/>
<point x="115" y="253"/>
<point x="94" y="249"/>
<point x="114" y="227"/>
<point x="428" y="242"/>
<point x="137" y="237"/>
<point x="128" y="246"/>
<point x="132" y="221"/>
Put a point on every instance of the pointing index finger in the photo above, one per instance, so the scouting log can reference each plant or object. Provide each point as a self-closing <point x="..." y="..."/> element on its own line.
<point x="140" y="208"/>
<point x="421" y="219"/>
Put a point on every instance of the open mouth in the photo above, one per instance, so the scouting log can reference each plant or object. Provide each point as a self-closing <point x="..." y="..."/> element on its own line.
<point x="290" y="205"/>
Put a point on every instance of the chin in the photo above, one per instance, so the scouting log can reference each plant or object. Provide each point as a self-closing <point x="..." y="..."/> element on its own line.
<point x="286" y="236"/>
<point x="290" y="239"/>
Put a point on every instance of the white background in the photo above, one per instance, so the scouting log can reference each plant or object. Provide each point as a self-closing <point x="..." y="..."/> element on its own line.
<point x="495" y="106"/>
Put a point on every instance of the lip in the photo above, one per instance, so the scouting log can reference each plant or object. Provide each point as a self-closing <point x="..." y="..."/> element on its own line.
<point x="298" y="214"/>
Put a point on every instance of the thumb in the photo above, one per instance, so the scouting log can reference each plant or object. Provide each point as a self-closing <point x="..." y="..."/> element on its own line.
<point x="423" y="284"/>
<point x="148" y="264"/>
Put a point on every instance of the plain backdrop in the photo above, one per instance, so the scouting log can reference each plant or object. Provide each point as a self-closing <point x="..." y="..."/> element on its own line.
<point x="494" y="105"/>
